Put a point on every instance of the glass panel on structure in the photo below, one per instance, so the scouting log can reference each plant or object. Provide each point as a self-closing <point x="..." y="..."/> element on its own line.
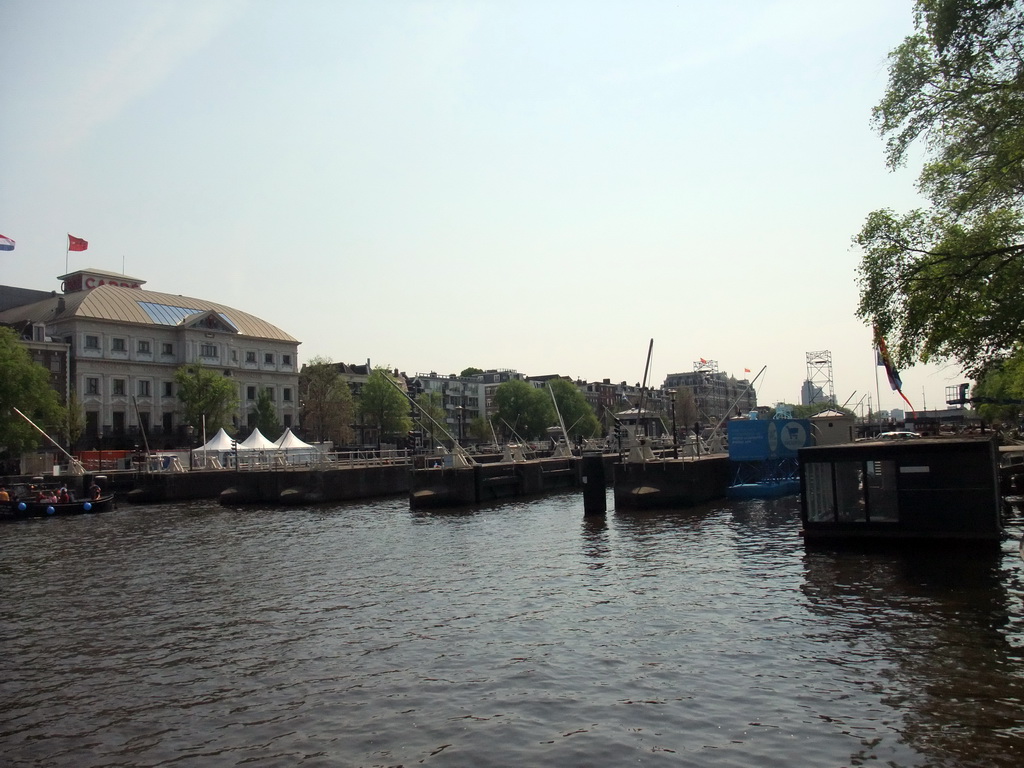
<point x="850" y="499"/>
<point x="818" y="477"/>
<point x="883" y="506"/>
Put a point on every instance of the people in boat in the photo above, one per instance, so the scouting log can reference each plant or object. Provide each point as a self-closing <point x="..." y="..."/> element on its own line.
<point x="4" y="495"/>
<point x="63" y="496"/>
<point x="94" y="492"/>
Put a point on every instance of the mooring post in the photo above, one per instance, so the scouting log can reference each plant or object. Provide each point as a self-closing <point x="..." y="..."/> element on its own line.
<point x="592" y="473"/>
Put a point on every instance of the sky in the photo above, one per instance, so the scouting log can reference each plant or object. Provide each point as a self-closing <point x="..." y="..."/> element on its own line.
<point x="537" y="186"/>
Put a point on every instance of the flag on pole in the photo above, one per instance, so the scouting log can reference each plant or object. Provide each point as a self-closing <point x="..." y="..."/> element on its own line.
<point x="703" y="360"/>
<point x="891" y="373"/>
<point x="746" y="370"/>
<point x="890" y="370"/>
<point x="77" y="243"/>
<point x="6" y="244"/>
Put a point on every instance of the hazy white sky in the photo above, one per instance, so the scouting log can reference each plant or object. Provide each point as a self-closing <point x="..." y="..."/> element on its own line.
<point x="542" y="186"/>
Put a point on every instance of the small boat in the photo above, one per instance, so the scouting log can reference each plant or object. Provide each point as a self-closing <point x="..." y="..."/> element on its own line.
<point x="34" y="508"/>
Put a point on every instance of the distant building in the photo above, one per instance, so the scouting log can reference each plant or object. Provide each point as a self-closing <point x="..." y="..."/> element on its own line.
<point x="812" y="393"/>
<point x="124" y="345"/>
<point x="717" y="395"/>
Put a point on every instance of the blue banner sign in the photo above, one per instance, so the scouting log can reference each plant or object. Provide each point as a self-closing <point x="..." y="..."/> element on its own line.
<point x="773" y="439"/>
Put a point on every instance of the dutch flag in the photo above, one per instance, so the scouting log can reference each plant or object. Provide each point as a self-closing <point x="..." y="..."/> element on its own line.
<point x="6" y="244"/>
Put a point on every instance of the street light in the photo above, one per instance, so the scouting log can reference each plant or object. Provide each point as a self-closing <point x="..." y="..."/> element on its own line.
<point x="189" y="431"/>
<point x="675" y="432"/>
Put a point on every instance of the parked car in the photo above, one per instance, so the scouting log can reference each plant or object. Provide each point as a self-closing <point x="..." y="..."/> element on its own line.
<point x="899" y="435"/>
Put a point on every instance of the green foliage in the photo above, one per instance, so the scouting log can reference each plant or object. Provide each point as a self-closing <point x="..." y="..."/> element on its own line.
<point x="479" y="429"/>
<point x="25" y="386"/>
<point x="204" y="392"/>
<point x="1002" y="381"/>
<point x="471" y="372"/>
<point x="266" y="416"/>
<point x="806" y="411"/>
<point x="686" y="408"/>
<point x="945" y="282"/>
<point x="523" y="410"/>
<point x="384" y="406"/>
<point x="327" y="406"/>
<point x="74" y="420"/>
<point x="431" y="417"/>
<point x="577" y="415"/>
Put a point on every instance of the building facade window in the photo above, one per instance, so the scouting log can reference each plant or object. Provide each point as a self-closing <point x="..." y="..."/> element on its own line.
<point x="286" y="359"/>
<point x="168" y="389"/>
<point x="250" y="357"/>
<point x="143" y="388"/>
<point x="143" y="347"/>
<point x="118" y="387"/>
<point x="286" y="394"/>
<point x="92" y="342"/>
<point x="208" y="350"/>
<point x="250" y="393"/>
<point x="270" y="392"/>
<point x="268" y="358"/>
<point x="167" y="349"/>
<point x="117" y="345"/>
<point x="92" y="386"/>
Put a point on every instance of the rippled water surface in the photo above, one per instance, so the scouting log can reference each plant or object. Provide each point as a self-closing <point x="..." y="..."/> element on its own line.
<point x="513" y="635"/>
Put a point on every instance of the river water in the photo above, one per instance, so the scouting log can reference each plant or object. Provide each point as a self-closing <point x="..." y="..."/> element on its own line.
<point x="512" y="635"/>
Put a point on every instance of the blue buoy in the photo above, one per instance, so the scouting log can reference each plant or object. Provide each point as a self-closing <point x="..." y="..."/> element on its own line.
<point x="50" y="510"/>
<point x="22" y="506"/>
<point x="87" y="506"/>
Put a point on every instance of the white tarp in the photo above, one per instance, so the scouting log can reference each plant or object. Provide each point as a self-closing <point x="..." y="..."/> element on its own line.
<point x="258" y="442"/>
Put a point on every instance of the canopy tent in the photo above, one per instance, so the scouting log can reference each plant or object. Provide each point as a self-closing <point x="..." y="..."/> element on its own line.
<point x="257" y="442"/>
<point x="295" y="450"/>
<point x="219" y="442"/>
<point x="216" y="453"/>
<point x="289" y="442"/>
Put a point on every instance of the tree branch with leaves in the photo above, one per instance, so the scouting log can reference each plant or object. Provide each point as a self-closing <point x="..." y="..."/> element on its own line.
<point x="946" y="281"/>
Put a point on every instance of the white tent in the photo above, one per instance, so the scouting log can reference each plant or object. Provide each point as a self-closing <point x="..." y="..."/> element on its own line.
<point x="295" y="450"/>
<point x="216" y="453"/>
<point x="257" y="442"/>
<point x="289" y="442"/>
<point x="219" y="442"/>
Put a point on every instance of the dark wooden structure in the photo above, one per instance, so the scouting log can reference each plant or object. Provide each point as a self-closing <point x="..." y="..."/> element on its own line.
<point x="931" y="489"/>
<point x="671" y="483"/>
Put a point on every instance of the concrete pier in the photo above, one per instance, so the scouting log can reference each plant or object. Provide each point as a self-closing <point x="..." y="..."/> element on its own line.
<point x="480" y="483"/>
<point x="669" y="483"/>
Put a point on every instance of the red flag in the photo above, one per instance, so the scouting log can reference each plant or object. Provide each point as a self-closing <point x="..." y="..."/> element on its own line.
<point x="703" y="360"/>
<point x="77" y="243"/>
<point x="746" y="370"/>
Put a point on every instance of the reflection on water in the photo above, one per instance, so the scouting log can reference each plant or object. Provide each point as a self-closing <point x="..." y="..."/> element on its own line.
<point x="518" y="634"/>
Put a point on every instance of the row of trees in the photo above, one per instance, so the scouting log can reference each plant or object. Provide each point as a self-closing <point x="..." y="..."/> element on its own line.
<point x="329" y="411"/>
<point x="944" y="282"/>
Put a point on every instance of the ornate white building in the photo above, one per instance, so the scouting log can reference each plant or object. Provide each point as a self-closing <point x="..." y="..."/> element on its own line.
<point x="125" y="344"/>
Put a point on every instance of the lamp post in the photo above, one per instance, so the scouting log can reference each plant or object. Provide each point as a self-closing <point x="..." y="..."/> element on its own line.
<point x="189" y="431"/>
<point x="675" y="431"/>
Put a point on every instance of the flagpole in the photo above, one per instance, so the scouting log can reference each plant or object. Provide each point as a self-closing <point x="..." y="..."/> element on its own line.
<point x="67" y="250"/>
<point x="878" y="392"/>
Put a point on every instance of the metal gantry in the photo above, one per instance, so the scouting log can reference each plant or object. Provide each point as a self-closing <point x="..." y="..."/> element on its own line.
<point x="819" y="377"/>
